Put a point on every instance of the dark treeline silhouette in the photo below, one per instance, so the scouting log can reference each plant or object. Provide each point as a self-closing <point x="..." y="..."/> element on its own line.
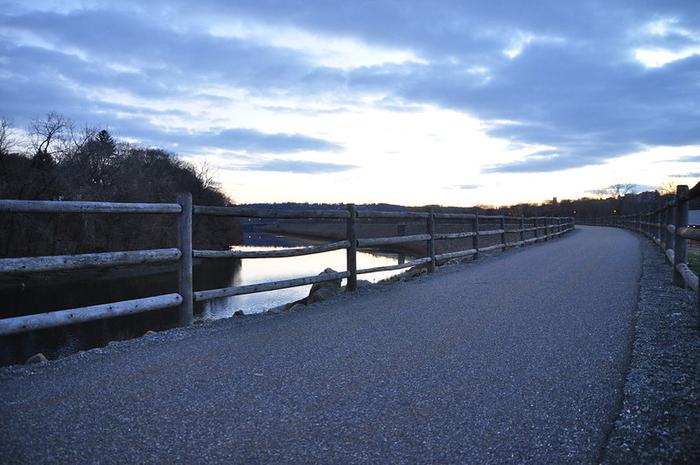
<point x="618" y="199"/>
<point x="61" y="162"/>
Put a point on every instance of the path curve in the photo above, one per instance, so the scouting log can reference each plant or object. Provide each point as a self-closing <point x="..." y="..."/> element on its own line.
<point x="519" y="358"/>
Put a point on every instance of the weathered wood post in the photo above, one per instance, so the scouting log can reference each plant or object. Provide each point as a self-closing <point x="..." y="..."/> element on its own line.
<point x="522" y="230"/>
<point x="431" y="240"/>
<point x="659" y="232"/>
<point x="401" y="231"/>
<point x="475" y="239"/>
<point x="534" y="225"/>
<point x="546" y="228"/>
<point x="669" y="220"/>
<point x="503" y="234"/>
<point x="184" y="243"/>
<point x="352" y="249"/>
<point x="680" y="246"/>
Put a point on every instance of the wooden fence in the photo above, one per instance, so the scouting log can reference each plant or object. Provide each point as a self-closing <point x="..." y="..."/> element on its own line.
<point x="668" y="227"/>
<point x="542" y="229"/>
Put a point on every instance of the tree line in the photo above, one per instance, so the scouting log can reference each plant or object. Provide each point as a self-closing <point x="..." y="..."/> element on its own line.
<point x="57" y="160"/>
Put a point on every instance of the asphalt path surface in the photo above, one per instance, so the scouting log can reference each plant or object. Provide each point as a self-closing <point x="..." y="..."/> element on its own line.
<point x="519" y="358"/>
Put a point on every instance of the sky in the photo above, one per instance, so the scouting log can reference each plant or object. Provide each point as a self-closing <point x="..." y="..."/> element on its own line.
<point x="409" y="102"/>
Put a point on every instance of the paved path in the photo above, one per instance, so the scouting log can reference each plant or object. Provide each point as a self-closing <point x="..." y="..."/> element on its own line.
<point x="518" y="358"/>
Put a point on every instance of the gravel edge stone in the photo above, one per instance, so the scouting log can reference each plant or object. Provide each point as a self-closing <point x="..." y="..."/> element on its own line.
<point x="659" y="421"/>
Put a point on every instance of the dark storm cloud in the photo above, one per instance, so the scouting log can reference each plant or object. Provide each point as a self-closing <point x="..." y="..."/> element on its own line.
<point x="575" y="84"/>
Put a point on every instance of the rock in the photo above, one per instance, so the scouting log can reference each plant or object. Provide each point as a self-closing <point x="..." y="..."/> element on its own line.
<point x="297" y="306"/>
<point x="415" y="271"/>
<point x="238" y="313"/>
<point x="324" y="290"/>
<point x="37" y="358"/>
<point x="281" y="308"/>
<point x="318" y="292"/>
<point x="150" y="332"/>
<point x="335" y="284"/>
<point x="321" y="294"/>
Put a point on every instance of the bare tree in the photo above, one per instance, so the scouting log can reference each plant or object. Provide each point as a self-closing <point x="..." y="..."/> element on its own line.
<point x="669" y="187"/>
<point x="75" y="138"/>
<point x="47" y="132"/>
<point x="206" y="175"/>
<point x="7" y="137"/>
<point x="615" y="190"/>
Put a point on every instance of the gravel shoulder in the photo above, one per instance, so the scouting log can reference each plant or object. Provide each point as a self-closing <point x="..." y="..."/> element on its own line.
<point x="659" y="420"/>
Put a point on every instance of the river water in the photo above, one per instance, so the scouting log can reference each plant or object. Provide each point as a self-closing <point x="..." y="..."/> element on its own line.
<point x="37" y="293"/>
<point x="260" y="270"/>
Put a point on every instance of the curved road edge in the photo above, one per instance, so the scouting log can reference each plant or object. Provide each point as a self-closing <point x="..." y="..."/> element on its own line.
<point x="659" y="417"/>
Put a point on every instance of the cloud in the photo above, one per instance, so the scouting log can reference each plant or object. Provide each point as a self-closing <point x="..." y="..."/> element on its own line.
<point x="569" y="75"/>
<point x="695" y="174"/>
<point x="468" y="186"/>
<point x="690" y="159"/>
<point x="299" y="167"/>
<point x="250" y="140"/>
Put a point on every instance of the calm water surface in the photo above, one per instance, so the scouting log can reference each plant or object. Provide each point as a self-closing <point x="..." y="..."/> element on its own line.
<point x="260" y="270"/>
<point x="25" y="296"/>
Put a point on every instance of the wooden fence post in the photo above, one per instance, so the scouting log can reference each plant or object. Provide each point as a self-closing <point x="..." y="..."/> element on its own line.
<point x="401" y="231"/>
<point x="522" y="232"/>
<point x="184" y="243"/>
<point x="680" y="245"/>
<point x="534" y="225"/>
<point x="475" y="240"/>
<point x="659" y="232"/>
<point x="431" y="241"/>
<point x="503" y="234"/>
<point x="546" y="228"/>
<point x="352" y="249"/>
<point x="668" y="219"/>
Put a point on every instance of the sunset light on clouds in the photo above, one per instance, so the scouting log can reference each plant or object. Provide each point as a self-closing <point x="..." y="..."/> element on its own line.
<point x="453" y="103"/>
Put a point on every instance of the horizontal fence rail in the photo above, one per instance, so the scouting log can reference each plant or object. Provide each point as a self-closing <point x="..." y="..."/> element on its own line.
<point x="268" y="213"/>
<point x="482" y="226"/>
<point x="291" y="252"/>
<point x="271" y="286"/>
<point x="668" y="228"/>
<point x="46" y="320"/>
<point x="88" y="260"/>
<point x="52" y="206"/>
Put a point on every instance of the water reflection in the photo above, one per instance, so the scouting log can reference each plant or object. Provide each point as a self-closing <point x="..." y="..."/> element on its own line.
<point x="36" y="293"/>
<point x="259" y="270"/>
